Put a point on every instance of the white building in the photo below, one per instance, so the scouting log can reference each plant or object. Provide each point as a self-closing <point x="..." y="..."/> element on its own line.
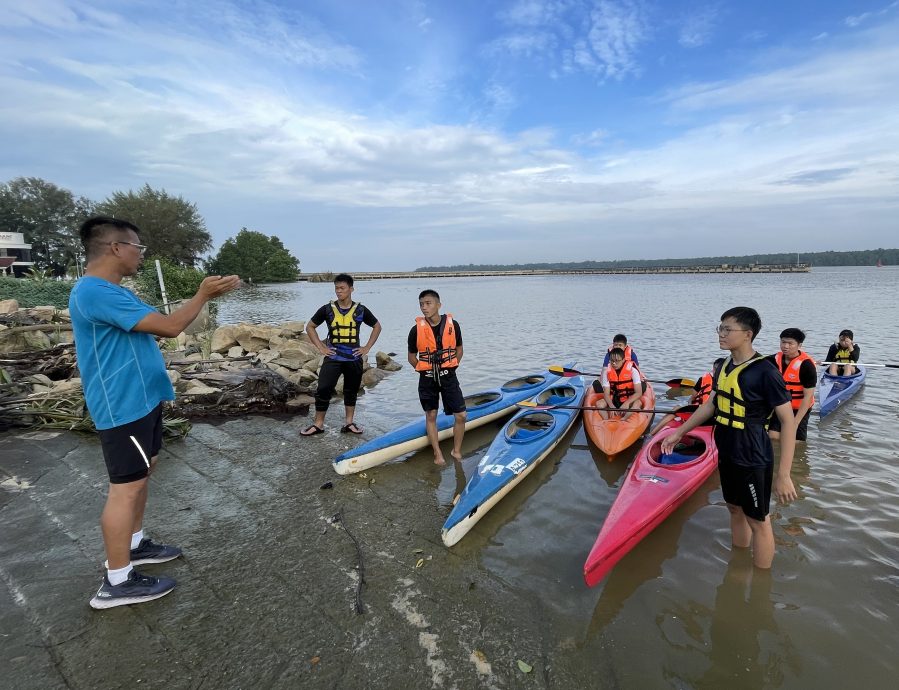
<point x="15" y="253"/>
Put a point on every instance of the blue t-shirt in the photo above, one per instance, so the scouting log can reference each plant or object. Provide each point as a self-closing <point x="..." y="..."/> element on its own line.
<point x="122" y="372"/>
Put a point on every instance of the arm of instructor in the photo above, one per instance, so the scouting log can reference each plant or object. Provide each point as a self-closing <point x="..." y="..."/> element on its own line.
<point x="169" y="326"/>
<point x="703" y="413"/>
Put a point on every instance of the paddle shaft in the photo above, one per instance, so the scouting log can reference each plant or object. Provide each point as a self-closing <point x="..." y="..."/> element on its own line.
<point x="862" y="364"/>
<point x="677" y="382"/>
<point x="619" y="410"/>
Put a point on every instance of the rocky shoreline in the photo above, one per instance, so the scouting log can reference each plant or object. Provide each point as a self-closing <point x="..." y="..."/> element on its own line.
<point x="234" y="369"/>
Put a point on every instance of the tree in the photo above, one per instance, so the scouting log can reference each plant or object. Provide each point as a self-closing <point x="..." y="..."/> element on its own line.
<point x="48" y="216"/>
<point x="171" y="227"/>
<point x="257" y="257"/>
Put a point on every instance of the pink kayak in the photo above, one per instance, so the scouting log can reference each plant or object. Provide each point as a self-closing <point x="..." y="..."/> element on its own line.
<point x="654" y="487"/>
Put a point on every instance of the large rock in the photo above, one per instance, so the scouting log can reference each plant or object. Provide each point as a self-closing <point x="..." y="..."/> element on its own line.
<point x="255" y="338"/>
<point x="236" y="351"/>
<point x="42" y="313"/>
<point x="372" y="377"/>
<point x="292" y="328"/>
<point x="223" y="339"/>
<point x="24" y="342"/>
<point x="292" y="348"/>
<point x="8" y="306"/>
<point x="386" y="362"/>
<point x="302" y="377"/>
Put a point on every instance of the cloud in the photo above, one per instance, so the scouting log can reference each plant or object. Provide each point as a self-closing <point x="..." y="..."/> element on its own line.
<point x="816" y="177"/>
<point x="696" y="29"/>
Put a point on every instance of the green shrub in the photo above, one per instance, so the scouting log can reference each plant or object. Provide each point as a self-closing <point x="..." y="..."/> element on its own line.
<point x="181" y="282"/>
<point x="36" y="293"/>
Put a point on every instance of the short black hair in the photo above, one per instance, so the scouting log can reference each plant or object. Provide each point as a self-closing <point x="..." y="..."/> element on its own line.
<point x="343" y="278"/>
<point x="745" y="316"/>
<point x="847" y="333"/>
<point x="620" y="338"/>
<point x="427" y="293"/>
<point x="793" y="334"/>
<point x="95" y="229"/>
<point x="616" y="352"/>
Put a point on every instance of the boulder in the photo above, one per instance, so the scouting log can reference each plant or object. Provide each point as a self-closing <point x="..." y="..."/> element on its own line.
<point x="291" y="328"/>
<point x="200" y="388"/>
<point x="386" y="362"/>
<point x="174" y="375"/>
<point x="301" y="401"/>
<point x="266" y="356"/>
<point x="8" y="306"/>
<point x="314" y="364"/>
<point x="224" y="338"/>
<point x="302" y="378"/>
<point x="372" y="377"/>
<point x="255" y="338"/>
<point x="42" y="313"/>
<point x="236" y="351"/>
<point x="24" y="342"/>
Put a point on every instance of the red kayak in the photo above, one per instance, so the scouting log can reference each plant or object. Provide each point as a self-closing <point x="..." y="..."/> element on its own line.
<point x="655" y="486"/>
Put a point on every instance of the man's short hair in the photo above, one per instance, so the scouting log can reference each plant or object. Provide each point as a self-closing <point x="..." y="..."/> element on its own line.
<point x="616" y="352"/>
<point x="94" y="231"/>
<point x="428" y="293"/>
<point x="793" y="334"/>
<point x="847" y="333"/>
<point x="343" y="278"/>
<point x="620" y="338"/>
<point x="747" y="317"/>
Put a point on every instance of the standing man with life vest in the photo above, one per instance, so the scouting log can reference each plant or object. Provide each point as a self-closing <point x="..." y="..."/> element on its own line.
<point x="801" y="377"/>
<point x="435" y="351"/>
<point x="621" y="384"/>
<point x="620" y="341"/>
<point x="846" y="352"/>
<point x="343" y="354"/>
<point x="746" y="389"/>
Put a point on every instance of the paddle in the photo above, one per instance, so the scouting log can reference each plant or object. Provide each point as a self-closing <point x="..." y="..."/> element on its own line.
<point x="855" y="364"/>
<point x="671" y="383"/>
<point x="531" y="405"/>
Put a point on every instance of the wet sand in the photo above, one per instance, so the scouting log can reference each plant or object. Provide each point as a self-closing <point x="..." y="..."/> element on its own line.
<point x="266" y="587"/>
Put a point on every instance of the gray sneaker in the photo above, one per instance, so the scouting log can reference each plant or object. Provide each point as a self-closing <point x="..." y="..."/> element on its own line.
<point x="137" y="589"/>
<point x="149" y="552"/>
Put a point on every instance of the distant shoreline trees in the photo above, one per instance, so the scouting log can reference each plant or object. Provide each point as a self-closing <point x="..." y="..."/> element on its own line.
<point x="256" y="258"/>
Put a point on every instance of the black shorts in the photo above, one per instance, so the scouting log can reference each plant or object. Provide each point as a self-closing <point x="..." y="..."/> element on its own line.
<point x="127" y="449"/>
<point x="801" y="426"/>
<point x="748" y="487"/>
<point x="429" y="394"/>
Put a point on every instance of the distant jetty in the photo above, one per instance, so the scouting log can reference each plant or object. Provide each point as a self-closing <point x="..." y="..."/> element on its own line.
<point x="631" y="270"/>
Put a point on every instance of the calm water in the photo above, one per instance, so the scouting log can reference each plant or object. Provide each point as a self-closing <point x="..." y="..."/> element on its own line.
<point x="679" y="611"/>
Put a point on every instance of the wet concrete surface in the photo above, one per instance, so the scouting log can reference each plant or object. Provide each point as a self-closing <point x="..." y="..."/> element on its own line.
<point x="266" y="587"/>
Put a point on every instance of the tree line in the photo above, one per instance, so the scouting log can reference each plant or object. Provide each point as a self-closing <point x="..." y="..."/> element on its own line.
<point x="864" y="257"/>
<point x="172" y="228"/>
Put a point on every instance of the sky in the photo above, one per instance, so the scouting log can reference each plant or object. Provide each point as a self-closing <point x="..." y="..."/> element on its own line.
<point x="394" y="134"/>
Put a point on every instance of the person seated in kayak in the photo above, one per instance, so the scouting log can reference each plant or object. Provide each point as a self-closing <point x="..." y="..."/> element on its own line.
<point x="621" y="384"/>
<point x="801" y="377"/>
<point x="435" y="352"/>
<point x="702" y="389"/>
<point x="844" y="350"/>
<point x="746" y="390"/>
<point x="620" y="341"/>
<point x="342" y="351"/>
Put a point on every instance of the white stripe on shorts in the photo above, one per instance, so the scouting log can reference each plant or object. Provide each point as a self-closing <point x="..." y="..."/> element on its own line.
<point x="140" y="450"/>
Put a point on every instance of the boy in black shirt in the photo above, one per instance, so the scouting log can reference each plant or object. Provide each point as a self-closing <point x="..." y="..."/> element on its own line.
<point x="801" y="376"/>
<point x="343" y="354"/>
<point x="435" y="351"/>
<point x="746" y="388"/>
<point x="846" y="351"/>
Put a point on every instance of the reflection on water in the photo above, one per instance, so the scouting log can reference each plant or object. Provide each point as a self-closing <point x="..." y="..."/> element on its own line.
<point x="668" y="615"/>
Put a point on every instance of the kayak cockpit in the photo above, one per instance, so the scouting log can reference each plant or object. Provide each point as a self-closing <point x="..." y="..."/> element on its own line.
<point x="687" y="451"/>
<point x="557" y="395"/>
<point x="529" y="427"/>
<point x="473" y="402"/>
<point x="524" y="383"/>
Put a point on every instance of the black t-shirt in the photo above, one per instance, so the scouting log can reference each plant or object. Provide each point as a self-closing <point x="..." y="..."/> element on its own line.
<point x="808" y="373"/>
<point x="853" y="356"/>
<point x="438" y="336"/>
<point x="763" y="389"/>
<point x="362" y="315"/>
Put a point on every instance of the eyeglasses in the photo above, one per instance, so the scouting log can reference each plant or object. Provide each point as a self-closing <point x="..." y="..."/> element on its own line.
<point x="142" y="248"/>
<point x="727" y="330"/>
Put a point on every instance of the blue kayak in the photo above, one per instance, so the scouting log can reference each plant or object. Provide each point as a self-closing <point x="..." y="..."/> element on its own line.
<point x="833" y="391"/>
<point x="482" y="408"/>
<point x="523" y="442"/>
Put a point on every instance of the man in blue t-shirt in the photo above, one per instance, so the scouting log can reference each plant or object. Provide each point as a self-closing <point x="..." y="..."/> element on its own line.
<point x="125" y="382"/>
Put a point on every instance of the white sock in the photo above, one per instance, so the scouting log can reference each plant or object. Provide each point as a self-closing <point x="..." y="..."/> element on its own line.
<point x="135" y="539"/>
<point x="117" y="577"/>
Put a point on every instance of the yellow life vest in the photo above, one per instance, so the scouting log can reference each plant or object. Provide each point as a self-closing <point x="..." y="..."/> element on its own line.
<point x="343" y="329"/>
<point x="843" y="355"/>
<point x="730" y="406"/>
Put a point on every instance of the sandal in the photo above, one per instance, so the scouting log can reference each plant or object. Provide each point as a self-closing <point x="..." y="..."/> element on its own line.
<point x="351" y="428"/>
<point x="312" y="430"/>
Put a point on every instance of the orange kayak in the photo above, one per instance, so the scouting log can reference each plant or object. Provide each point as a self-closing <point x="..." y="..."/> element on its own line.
<point x="613" y="435"/>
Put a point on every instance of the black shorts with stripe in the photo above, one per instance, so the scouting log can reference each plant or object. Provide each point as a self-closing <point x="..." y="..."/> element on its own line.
<point x="128" y="448"/>
<point x="748" y="487"/>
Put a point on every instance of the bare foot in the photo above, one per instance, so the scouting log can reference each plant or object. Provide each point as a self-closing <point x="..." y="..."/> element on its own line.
<point x="457" y="455"/>
<point x="438" y="460"/>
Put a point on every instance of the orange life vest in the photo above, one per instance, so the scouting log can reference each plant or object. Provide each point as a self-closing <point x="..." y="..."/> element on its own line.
<point x="705" y="388"/>
<point x="621" y="383"/>
<point x="428" y="354"/>
<point x="628" y="352"/>
<point x="791" y="377"/>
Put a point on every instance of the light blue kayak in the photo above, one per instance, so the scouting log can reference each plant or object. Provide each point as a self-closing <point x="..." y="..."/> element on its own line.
<point x="482" y="408"/>
<point x="833" y="391"/>
<point x="523" y="442"/>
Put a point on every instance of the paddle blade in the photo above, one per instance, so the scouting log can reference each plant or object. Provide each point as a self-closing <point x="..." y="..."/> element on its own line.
<point x="564" y="371"/>
<point x="680" y="383"/>
<point x="527" y="403"/>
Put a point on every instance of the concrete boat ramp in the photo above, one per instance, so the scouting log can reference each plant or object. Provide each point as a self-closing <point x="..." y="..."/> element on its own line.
<point x="267" y="585"/>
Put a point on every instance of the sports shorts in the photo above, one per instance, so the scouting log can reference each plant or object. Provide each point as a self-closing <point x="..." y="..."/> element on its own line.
<point x="450" y="391"/>
<point x="748" y="487"/>
<point x="128" y="448"/>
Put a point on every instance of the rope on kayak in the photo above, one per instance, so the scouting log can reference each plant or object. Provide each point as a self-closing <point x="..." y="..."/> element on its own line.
<point x="338" y="519"/>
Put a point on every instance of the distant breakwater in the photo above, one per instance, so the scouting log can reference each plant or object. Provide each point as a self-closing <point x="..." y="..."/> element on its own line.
<point x="630" y="270"/>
